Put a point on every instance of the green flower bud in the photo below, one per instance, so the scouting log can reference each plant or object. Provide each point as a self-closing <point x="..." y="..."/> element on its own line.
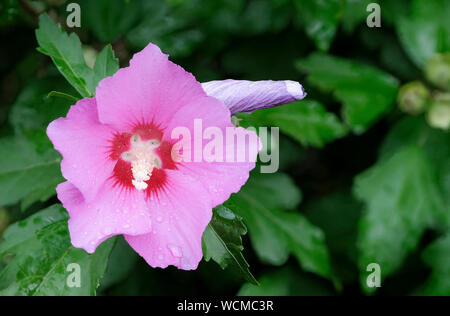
<point x="437" y="71"/>
<point x="413" y="98"/>
<point x="439" y="114"/>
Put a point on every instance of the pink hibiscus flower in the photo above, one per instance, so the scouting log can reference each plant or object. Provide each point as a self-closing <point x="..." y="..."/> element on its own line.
<point x="118" y="161"/>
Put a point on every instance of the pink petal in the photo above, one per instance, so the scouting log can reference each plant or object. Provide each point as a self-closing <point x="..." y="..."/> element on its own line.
<point x="113" y="212"/>
<point x="248" y="96"/>
<point x="151" y="89"/>
<point x="83" y="142"/>
<point x="180" y="215"/>
<point x="220" y="179"/>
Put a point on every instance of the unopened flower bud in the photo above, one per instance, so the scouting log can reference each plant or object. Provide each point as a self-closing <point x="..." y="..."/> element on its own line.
<point x="437" y="71"/>
<point x="413" y="98"/>
<point x="439" y="114"/>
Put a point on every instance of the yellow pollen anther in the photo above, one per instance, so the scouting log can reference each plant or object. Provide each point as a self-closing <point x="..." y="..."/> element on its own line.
<point x="143" y="160"/>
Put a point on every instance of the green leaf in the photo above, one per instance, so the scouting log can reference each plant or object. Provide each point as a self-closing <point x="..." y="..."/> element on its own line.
<point x="121" y="264"/>
<point x="411" y="131"/>
<point x="286" y="282"/>
<point x="414" y="131"/>
<point x="40" y="252"/>
<point x="306" y="121"/>
<point x="426" y="30"/>
<point x="34" y="110"/>
<point x="222" y="242"/>
<point x="365" y="92"/>
<point x="402" y="200"/>
<point x="169" y="28"/>
<point x="109" y="21"/>
<point x="67" y="54"/>
<point x="26" y="167"/>
<point x="437" y="256"/>
<point x="320" y="20"/>
<point x="355" y="12"/>
<point x="106" y="65"/>
<point x="274" y="232"/>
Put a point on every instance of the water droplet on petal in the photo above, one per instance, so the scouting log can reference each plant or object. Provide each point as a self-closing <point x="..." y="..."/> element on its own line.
<point x="175" y="251"/>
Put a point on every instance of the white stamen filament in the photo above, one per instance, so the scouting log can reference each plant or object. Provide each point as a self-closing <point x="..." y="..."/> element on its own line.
<point x="143" y="160"/>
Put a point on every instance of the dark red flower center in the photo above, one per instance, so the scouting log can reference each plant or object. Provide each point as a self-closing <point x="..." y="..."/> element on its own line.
<point x="142" y="158"/>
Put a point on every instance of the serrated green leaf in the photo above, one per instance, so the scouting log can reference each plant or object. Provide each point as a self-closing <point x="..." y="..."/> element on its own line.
<point x="402" y="199"/>
<point x="41" y="252"/>
<point x="426" y="30"/>
<point x="414" y="131"/>
<point x="306" y="121"/>
<point x="27" y="166"/>
<point x="222" y="242"/>
<point x="365" y="92"/>
<point x="67" y="54"/>
<point x="274" y="232"/>
<point x="106" y="65"/>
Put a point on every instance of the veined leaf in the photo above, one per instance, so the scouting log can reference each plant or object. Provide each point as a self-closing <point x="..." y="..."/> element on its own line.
<point x="106" y="65"/>
<point x="306" y="121"/>
<point x="276" y="233"/>
<point x="365" y="92"/>
<point x="426" y="30"/>
<point x="222" y="242"/>
<point x="40" y="255"/>
<point x="402" y="200"/>
<point x="25" y="167"/>
<point x="67" y="54"/>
